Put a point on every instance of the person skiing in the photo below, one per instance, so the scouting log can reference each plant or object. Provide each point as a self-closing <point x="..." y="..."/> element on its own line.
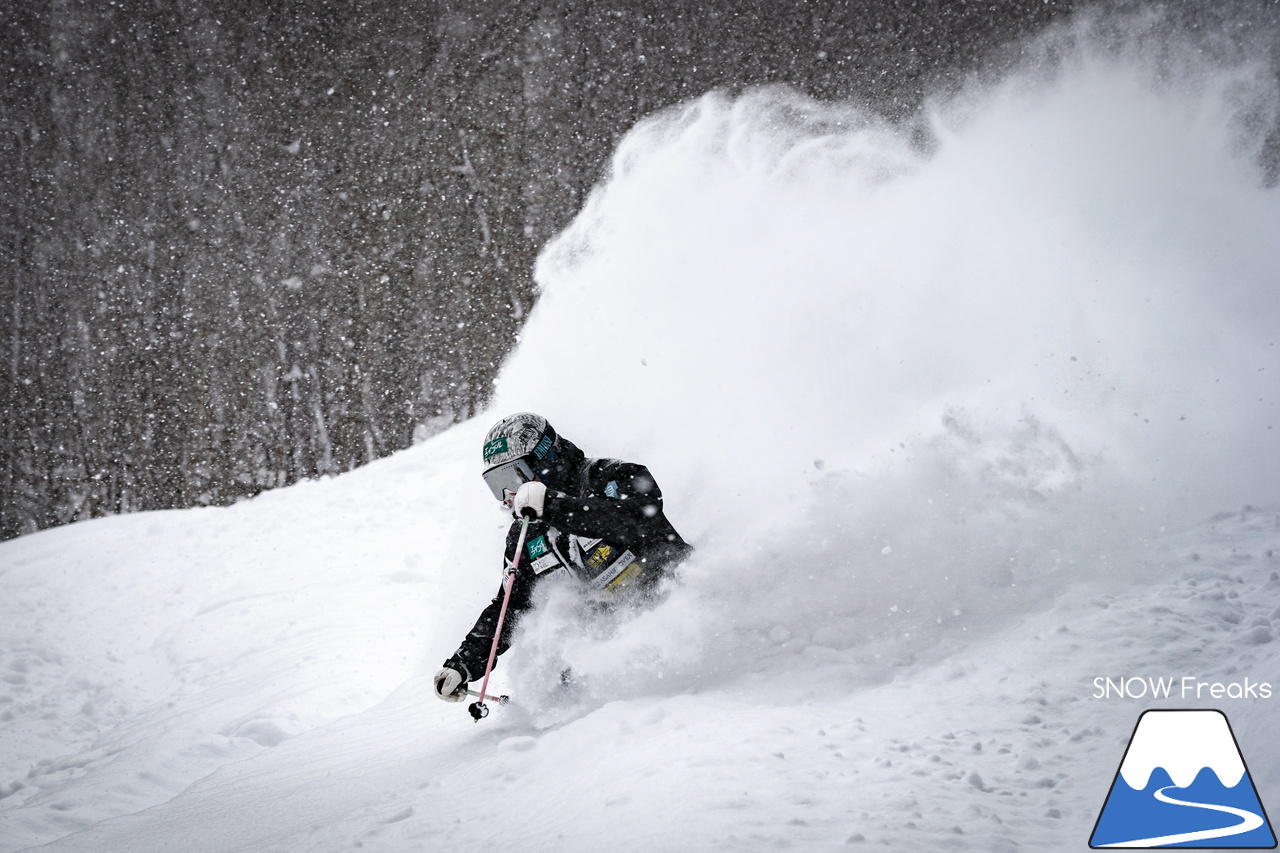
<point x="598" y="522"/>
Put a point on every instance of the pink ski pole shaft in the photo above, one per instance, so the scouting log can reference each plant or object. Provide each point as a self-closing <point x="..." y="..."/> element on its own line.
<point x="478" y="709"/>
<point x="501" y="700"/>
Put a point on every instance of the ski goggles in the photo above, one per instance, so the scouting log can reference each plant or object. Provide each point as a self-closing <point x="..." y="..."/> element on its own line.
<point x="505" y="479"/>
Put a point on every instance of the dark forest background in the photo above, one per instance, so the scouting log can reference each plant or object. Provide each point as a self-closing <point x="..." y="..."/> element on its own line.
<point x="245" y="242"/>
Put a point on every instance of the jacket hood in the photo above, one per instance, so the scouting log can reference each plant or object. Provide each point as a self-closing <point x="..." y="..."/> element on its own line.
<point x="565" y="470"/>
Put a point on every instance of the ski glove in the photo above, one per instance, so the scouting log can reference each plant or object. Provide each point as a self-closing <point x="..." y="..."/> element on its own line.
<point x="450" y="685"/>
<point x="530" y="496"/>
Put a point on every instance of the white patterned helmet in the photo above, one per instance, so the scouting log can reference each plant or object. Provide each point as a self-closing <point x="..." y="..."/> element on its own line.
<point x="518" y="448"/>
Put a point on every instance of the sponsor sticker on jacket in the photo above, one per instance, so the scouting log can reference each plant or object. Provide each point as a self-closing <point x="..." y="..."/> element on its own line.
<point x="612" y="572"/>
<point x="600" y="556"/>
<point x="625" y="577"/>
<point x="546" y="561"/>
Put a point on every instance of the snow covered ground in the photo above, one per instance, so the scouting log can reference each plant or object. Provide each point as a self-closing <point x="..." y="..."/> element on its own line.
<point x="955" y="431"/>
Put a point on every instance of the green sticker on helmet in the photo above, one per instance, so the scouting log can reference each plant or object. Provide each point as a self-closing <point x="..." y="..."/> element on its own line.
<point x="493" y="448"/>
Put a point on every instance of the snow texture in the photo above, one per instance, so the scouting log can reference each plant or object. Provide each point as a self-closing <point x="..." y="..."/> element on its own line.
<point x="946" y="423"/>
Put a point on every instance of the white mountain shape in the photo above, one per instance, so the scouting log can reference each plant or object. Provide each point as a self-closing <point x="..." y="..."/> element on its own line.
<point x="1183" y="743"/>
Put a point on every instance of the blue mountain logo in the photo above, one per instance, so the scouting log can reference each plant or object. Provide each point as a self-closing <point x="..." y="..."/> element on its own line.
<point x="1183" y="783"/>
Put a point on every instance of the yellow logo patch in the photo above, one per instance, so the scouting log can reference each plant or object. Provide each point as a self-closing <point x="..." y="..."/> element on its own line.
<point x="600" y="556"/>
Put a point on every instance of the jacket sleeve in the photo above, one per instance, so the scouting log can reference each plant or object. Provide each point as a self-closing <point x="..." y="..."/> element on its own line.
<point x="627" y="513"/>
<point x="473" y="654"/>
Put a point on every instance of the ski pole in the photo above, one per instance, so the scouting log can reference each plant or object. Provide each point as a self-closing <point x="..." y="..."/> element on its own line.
<point x="477" y="708"/>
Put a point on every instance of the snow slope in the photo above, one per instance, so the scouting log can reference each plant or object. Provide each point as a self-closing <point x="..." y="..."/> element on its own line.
<point x="948" y="424"/>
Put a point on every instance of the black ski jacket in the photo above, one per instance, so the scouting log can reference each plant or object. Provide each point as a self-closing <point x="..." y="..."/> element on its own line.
<point x="606" y="529"/>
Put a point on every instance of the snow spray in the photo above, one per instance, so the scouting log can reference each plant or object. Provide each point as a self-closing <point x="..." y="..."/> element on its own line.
<point x="896" y="379"/>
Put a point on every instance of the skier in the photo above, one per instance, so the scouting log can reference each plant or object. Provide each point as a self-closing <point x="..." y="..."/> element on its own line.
<point x="596" y="521"/>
